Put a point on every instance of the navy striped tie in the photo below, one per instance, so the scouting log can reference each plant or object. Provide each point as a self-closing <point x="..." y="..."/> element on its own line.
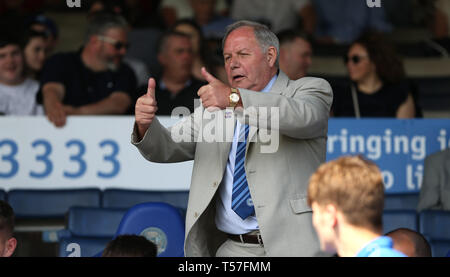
<point x="241" y="201"/>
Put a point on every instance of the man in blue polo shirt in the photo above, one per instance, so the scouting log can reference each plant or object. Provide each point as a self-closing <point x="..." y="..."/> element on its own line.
<point x="347" y="199"/>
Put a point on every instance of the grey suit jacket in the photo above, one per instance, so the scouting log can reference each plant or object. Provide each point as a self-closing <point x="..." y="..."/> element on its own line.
<point x="435" y="191"/>
<point x="277" y="181"/>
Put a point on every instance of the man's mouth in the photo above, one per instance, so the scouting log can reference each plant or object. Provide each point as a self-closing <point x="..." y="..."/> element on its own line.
<point x="11" y="70"/>
<point x="238" y="78"/>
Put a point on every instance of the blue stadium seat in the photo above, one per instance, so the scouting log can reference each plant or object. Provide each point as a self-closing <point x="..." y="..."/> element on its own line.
<point x="121" y="198"/>
<point x="394" y="219"/>
<point x="2" y="195"/>
<point x="158" y="222"/>
<point x="81" y="247"/>
<point x="401" y="201"/>
<point x="434" y="224"/>
<point x="440" y="248"/>
<point x="51" y="203"/>
<point x="94" y="222"/>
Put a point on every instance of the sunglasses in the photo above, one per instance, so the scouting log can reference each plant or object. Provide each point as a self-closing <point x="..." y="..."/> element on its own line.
<point x="354" y="59"/>
<point x="117" y="44"/>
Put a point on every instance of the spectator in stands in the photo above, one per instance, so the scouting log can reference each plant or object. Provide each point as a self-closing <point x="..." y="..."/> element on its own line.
<point x="411" y="243"/>
<point x="44" y="24"/>
<point x="35" y="53"/>
<point x="378" y="86"/>
<point x="295" y="54"/>
<point x="103" y="7"/>
<point x="435" y="190"/>
<point x="130" y="246"/>
<point x="342" y="22"/>
<point x="441" y="20"/>
<point x="347" y="197"/>
<point x="278" y="15"/>
<point x="173" y="10"/>
<point x="17" y="92"/>
<point x="7" y="241"/>
<point x="176" y="87"/>
<point x="213" y="24"/>
<point x="94" y="80"/>
<point x="440" y="24"/>
<point x="203" y="56"/>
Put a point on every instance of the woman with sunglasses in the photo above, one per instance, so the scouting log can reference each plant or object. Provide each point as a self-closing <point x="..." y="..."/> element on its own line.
<point x="378" y="86"/>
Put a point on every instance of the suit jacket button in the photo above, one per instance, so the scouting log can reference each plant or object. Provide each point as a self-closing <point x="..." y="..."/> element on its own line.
<point x="215" y="184"/>
<point x="196" y="215"/>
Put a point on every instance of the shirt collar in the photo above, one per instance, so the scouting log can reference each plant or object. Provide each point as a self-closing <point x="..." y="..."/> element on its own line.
<point x="270" y="84"/>
<point x="380" y="242"/>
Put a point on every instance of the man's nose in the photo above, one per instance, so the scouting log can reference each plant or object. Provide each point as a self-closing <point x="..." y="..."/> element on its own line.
<point x="8" y="59"/>
<point x="186" y="55"/>
<point x="234" y="63"/>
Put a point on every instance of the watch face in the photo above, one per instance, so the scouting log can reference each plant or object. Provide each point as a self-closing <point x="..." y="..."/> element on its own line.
<point x="234" y="97"/>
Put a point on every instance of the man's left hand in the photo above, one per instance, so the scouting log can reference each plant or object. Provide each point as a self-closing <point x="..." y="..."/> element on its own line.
<point x="215" y="94"/>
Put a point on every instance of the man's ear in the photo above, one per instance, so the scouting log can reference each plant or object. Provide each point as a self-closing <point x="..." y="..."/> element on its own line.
<point x="332" y="215"/>
<point x="272" y="55"/>
<point x="11" y="245"/>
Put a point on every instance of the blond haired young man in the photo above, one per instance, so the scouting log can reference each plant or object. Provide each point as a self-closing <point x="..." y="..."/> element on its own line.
<point x="347" y="198"/>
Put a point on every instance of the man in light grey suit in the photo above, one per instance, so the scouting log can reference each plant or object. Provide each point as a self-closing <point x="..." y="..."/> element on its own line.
<point x="435" y="191"/>
<point x="246" y="199"/>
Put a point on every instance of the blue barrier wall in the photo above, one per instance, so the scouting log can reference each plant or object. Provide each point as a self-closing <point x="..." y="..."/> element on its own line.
<point x="398" y="147"/>
<point x="96" y="152"/>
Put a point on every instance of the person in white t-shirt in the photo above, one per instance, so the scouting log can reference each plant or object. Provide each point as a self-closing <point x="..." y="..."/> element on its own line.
<point x="17" y="93"/>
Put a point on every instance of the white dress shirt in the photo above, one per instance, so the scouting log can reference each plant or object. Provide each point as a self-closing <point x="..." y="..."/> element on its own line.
<point x="226" y="219"/>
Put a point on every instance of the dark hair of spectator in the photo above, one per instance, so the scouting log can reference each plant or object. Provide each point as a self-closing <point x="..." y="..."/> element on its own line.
<point x="9" y="39"/>
<point x="289" y="35"/>
<point x="421" y="245"/>
<point x="388" y="65"/>
<point x="197" y="28"/>
<point x="130" y="246"/>
<point x="48" y="23"/>
<point x="29" y="35"/>
<point x="204" y="51"/>
<point x="162" y="43"/>
<point x="102" y="22"/>
<point x="6" y="219"/>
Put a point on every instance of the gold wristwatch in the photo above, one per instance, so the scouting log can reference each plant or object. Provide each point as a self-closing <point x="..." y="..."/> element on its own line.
<point x="234" y="97"/>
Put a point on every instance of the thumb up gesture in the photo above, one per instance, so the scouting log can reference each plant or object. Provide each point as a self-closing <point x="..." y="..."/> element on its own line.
<point x="146" y="108"/>
<point x="215" y="94"/>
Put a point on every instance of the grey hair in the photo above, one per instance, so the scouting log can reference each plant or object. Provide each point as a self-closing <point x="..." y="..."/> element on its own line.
<point x="101" y="23"/>
<point x="265" y="37"/>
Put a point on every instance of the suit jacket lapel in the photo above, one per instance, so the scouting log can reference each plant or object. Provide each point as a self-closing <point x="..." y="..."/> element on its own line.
<point x="280" y="84"/>
<point x="278" y="87"/>
<point x="225" y="147"/>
